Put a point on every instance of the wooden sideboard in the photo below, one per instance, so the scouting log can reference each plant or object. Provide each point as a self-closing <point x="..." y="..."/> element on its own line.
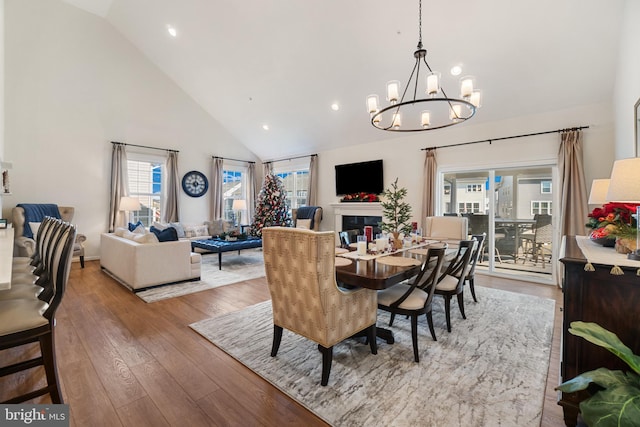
<point x="597" y="296"/>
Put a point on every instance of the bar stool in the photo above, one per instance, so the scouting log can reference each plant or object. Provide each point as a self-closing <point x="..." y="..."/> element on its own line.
<point x="24" y="321"/>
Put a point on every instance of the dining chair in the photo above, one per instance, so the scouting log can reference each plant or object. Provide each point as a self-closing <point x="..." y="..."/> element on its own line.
<point x="300" y="270"/>
<point x="24" y="321"/>
<point x="477" y="253"/>
<point x="538" y="241"/>
<point x="347" y="237"/>
<point x="415" y="297"/>
<point x="451" y="282"/>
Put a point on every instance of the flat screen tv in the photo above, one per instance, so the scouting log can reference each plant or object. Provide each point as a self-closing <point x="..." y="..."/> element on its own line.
<point x="359" y="177"/>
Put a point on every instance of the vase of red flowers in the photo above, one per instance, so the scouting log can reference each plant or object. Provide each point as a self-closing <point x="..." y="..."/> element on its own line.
<point x="612" y="221"/>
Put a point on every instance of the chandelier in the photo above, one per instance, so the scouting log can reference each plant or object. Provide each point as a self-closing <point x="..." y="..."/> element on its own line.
<point x="434" y="110"/>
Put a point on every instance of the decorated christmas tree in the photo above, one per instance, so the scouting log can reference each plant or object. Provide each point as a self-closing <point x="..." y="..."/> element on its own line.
<point x="396" y="212"/>
<point x="271" y="208"/>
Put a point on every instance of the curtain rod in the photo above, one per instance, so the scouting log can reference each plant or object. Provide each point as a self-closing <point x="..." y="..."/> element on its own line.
<point x="506" y="137"/>
<point x="291" y="158"/>
<point x="144" y="146"/>
<point x="235" y="160"/>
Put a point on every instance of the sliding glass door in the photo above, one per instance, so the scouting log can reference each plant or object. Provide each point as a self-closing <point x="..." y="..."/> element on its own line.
<point x="514" y="207"/>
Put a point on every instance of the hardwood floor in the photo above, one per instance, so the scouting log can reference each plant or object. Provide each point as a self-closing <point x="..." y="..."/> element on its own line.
<point x="124" y="362"/>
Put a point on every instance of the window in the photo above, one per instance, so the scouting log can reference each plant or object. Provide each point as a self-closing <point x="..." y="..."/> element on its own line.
<point x="295" y="179"/>
<point x="540" y="207"/>
<point x="469" y="207"/>
<point x="545" y="187"/>
<point x="234" y="183"/>
<point x="145" y="184"/>
<point x="474" y="188"/>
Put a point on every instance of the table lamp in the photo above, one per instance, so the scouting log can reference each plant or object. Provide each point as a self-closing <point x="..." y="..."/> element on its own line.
<point x="598" y="193"/>
<point x="129" y="204"/>
<point x="625" y="188"/>
<point x="239" y="205"/>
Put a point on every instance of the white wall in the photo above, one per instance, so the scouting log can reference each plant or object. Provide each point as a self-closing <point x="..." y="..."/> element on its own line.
<point x="73" y="84"/>
<point x="404" y="159"/>
<point x="627" y="88"/>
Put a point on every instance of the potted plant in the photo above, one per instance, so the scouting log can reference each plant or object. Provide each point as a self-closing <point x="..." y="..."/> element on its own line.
<point x="396" y="213"/>
<point x="618" y="402"/>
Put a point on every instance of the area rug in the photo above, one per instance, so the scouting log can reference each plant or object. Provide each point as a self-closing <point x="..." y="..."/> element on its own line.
<point x="249" y="264"/>
<point x="489" y="371"/>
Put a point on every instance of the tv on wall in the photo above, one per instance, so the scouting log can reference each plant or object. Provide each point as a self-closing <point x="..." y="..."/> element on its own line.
<point x="359" y="177"/>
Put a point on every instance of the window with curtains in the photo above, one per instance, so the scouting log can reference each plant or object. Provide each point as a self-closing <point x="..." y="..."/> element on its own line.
<point x="145" y="184"/>
<point x="295" y="177"/>
<point x="234" y="187"/>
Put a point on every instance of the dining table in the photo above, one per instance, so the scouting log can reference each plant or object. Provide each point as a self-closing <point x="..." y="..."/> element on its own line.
<point x="378" y="271"/>
<point x="6" y="257"/>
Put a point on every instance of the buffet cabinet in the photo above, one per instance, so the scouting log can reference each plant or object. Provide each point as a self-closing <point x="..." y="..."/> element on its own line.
<point x="612" y="301"/>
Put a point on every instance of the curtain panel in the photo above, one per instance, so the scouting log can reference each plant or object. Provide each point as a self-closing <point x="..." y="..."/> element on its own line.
<point x="217" y="167"/>
<point x="119" y="185"/>
<point x="429" y="192"/>
<point x="312" y="191"/>
<point x="171" y="210"/>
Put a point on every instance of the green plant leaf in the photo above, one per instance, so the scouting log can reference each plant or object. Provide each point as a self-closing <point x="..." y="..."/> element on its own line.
<point x="616" y="406"/>
<point x="603" y="377"/>
<point x="599" y="336"/>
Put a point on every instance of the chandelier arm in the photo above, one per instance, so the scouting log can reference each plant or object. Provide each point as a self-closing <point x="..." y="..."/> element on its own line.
<point x="390" y="128"/>
<point x="416" y="65"/>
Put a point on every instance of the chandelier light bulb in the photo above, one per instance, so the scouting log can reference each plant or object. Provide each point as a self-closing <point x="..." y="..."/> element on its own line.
<point x="455" y="112"/>
<point x="397" y="121"/>
<point x="372" y="103"/>
<point x="433" y="84"/>
<point x="393" y="91"/>
<point x="377" y="119"/>
<point x="475" y="98"/>
<point x="426" y="119"/>
<point x="466" y="87"/>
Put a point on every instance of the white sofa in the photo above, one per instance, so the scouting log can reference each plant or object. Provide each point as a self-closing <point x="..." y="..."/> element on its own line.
<point x="143" y="265"/>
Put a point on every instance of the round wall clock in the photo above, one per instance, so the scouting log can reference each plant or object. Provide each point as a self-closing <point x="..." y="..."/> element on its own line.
<point x="195" y="184"/>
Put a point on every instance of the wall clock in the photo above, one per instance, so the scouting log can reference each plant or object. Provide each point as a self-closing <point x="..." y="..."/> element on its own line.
<point x="195" y="184"/>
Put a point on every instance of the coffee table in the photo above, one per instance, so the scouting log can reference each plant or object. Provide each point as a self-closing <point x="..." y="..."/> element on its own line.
<point x="218" y="246"/>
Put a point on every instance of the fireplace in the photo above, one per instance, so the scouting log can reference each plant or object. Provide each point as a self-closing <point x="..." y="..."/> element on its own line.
<point x="358" y="222"/>
<point x="363" y="213"/>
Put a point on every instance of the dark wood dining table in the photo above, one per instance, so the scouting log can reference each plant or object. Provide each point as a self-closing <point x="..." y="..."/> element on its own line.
<point x="371" y="274"/>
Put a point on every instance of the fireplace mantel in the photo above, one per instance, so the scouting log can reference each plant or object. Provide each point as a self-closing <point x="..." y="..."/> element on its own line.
<point x="354" y="208"/>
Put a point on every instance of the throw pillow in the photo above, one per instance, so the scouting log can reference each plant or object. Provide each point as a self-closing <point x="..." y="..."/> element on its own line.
<point x="303" y="223"/>
<point x="169" y="234"/>
<point x="145" y="238"/>
<point x="179" y="229"/>
<point x="120" y="231"/>
<point x="133" y="226"/>
<point x="159" y="225"/>
<point x="34" y="229"/>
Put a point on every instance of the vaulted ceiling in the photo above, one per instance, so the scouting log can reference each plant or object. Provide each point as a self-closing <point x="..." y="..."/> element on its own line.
<point x="284" y="62"/>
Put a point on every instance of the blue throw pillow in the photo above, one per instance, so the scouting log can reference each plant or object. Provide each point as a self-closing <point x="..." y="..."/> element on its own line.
<point x="134" y="226"/>
<point x="169" y="234"/>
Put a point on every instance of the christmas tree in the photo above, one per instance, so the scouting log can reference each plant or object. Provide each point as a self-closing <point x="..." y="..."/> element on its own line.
<point x="396" y="211"/>
<point x="271" y="209"/>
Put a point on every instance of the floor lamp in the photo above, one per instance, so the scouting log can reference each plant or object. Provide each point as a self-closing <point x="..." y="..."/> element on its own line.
<point x="625" y="188"/>
<point x="128" y="205"/>
<point x="239" y="205"/>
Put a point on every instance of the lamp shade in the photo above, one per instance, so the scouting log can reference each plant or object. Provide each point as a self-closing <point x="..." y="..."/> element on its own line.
<point x="129" y="204"/>
<point x="239" y="205"/>
<point x="598" y="193"/>
<point x="625" y="181"/>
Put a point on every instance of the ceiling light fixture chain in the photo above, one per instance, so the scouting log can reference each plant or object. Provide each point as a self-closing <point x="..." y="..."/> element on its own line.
<point x="445" y="111"/>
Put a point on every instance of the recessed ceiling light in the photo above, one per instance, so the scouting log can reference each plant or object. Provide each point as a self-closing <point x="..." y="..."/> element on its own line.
<point x="172" y="30"/>
<point x="456" y="70"/>
<point x="335" y="106"/>
<point x="265" y="127"/>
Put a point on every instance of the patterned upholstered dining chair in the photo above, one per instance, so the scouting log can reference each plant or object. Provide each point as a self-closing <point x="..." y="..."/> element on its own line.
<point x="300" y="270"/>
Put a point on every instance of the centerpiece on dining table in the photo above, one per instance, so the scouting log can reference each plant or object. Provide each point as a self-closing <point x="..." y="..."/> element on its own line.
<point x="396" y="214"/>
